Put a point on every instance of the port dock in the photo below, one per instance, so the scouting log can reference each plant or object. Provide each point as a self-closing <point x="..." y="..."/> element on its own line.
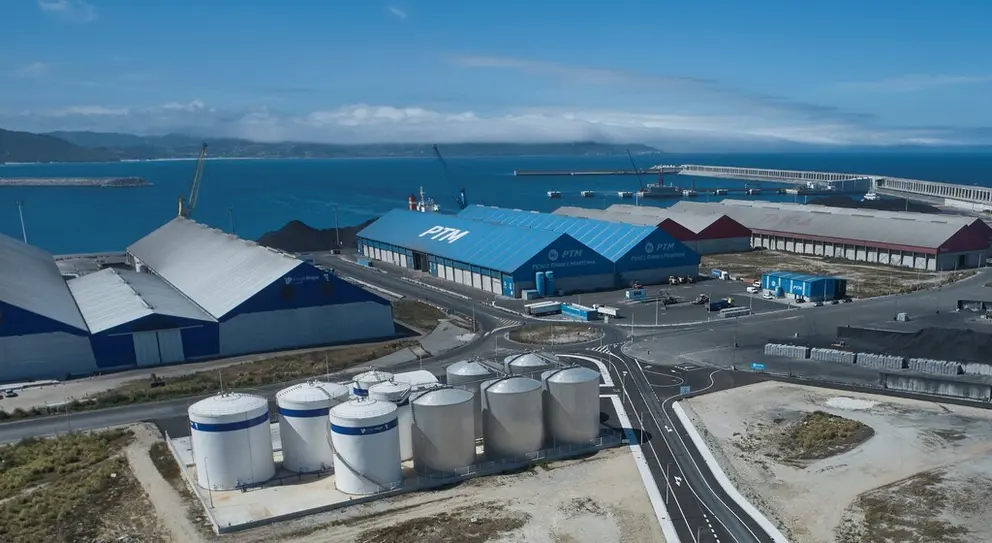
<point x="565" y="173"/>
<point x="105" y="182"/>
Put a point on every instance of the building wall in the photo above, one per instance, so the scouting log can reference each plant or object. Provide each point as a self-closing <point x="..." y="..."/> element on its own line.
<point x="305" y="327"/>
<point x="657" y="252"/>
<point x="15" y="321"/>
<point x="48" y="355"/>
<point x="115" y="348"/>
<point x="305" y="286"/>
<point x="722" y="245"/>
<point x="576" y="268"/>
<point x="860" y="253"/>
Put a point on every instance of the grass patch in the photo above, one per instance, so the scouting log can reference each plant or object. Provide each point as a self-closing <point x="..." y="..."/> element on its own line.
<point x="278" y="369"/>
<point x="821" y="435"/>
<point x="418" y="314"/>
<point x="74" y="488"/>
<point x="555" y="334"/>
<point x="166" y="464"/>
<point x="475" y="524"/>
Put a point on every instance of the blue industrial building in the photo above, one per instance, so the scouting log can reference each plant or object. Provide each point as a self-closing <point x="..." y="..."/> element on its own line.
<point x="814" y="288"/>
<point x="261" y="299"/>
<point x="499" y="259"/>
<point x="642" y="253"/>
<point x="42" y="333"/>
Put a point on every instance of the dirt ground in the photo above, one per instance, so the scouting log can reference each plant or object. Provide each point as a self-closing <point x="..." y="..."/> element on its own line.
<point x="555" y="334"/>
<point x="924" y="475"/>
<point x="595" y="499"/>
<point x="421" y="316"/>
<point x="864" y="280"/>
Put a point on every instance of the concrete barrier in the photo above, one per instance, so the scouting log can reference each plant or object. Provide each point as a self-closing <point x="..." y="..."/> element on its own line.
<point x="722" y="478"/>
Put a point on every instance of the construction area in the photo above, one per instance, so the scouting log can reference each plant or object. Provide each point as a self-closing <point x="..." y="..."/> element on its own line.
<point x="863" y="280"/>
<point x="829" y="466"/>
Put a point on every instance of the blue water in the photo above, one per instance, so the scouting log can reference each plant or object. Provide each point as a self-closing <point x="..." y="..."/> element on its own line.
<point x="262" y="195"/>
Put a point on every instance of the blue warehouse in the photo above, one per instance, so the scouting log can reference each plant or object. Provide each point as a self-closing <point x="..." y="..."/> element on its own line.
<point x="646" y="254"/>
<point x="814" y="288"/>
<point x="496" y="258"/>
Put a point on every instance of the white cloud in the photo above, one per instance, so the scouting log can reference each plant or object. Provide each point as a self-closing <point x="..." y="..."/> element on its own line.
<point x="914" y="83"/>
<point x="363" y="123"/>
<point x="397" y="12"/>
<point x="79" y="11"/>
<point x="33" y="70"/>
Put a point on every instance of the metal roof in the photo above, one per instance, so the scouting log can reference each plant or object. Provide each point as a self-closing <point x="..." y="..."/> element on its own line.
<point x="693" y="222"/>
<point x="605" y="215"/>
<point x="110" y="298"/>
<point x="798" y="276"/>
<point x="613" y="240"/>
<point x="962" y="220"/>
<point x="30" y="280"/>
<point x="493" y="246"/>
<point x="216" y="270"/>
<point x="924" y="232"/>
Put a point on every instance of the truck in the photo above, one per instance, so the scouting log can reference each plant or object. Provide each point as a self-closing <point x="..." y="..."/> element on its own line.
<point x="635" y="294"/>
<point x="580" y="312"/>
<point x="543" y="308"/>
<point x="701" y="299"/>
<point x="719" y="274"/>
<point x="606" y="310"/>
<point x="718" y="305"/>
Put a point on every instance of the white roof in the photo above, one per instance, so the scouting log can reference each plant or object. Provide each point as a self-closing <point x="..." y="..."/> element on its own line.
<point x="962" y="220"/>
<point x="216" y="270"/>
<point x="110" y="298"/>
<point x="694" y="222"/>
<point x="30" y="280"/>
<point x="916" y="230"/>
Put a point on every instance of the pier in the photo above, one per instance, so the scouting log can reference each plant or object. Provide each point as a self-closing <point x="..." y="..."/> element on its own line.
<point x="106" y="182"/>
<point x="565" y="173"/>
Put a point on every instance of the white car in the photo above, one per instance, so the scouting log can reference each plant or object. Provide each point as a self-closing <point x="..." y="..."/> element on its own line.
<point x="757" y="284"/>
<point x="767" y="295"/>
<point x="753" y="290"/>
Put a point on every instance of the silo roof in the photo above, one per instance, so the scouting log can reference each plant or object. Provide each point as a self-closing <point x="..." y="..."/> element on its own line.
<point x="227" y="404"/>
<point x="443" y="396"/>
<point x="511" y="385"/>
<point x="574" y="374"/>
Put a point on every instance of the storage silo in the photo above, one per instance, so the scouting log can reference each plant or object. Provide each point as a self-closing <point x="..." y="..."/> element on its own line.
<point x="539" y="283"/>
<point x="366" y="447"/>
<point x="443" y="430"/>
<point x="512" y="417"/>
<point x="417" y="379"/>
<point x="571" y="405"/>
<point x="469" y="375"/>
<point x="232" y="442"/>
<point x="549" y="283"/>
<point x="366" y="379"/>
<point x="306" y="440"/>
<point x="398" y="394"/>
<point x="528" y="364"/>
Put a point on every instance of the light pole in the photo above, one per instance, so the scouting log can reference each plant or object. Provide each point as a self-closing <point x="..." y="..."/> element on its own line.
<point x="337" y="229"/>
<point x="20" y="212"/>
<point x="623" y="387"/>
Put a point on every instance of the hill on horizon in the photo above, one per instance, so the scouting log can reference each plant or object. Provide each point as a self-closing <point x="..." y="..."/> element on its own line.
<point x="27" y="147"/>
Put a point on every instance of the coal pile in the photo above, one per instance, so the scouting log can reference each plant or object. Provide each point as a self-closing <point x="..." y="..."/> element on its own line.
<point x="883" y="204"/>
<point x="961" y="345"/>
<point x="297" y="237"/>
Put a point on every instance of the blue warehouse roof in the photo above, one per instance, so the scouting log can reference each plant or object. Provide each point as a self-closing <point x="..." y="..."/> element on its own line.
<point x="613" y="240"/>
<point x="493" y="246"/>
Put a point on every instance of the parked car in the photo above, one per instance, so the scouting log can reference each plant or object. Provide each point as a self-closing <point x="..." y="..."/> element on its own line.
<point x="767" y="295"/>
<point x="753" y="290"/>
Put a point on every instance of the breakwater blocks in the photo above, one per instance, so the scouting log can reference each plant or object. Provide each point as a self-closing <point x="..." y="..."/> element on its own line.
<point x="928" y="365"/>
<point x="881" y="361"/>
<point x="832" y="355"/>
<point x="936" y="386"/>
<point x="109" y="182"/>
<point x="787" y="351"/>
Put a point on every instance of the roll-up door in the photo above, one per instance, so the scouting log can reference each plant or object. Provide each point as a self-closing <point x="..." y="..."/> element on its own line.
<point x="170" y="346"/>
<point x="146" y="348"/>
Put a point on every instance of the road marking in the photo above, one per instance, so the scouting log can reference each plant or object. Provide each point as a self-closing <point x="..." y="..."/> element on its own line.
<point x="678" y="482"/>
<point x="607" y="380"/>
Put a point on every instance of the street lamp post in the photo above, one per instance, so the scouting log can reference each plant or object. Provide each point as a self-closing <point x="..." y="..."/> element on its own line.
<point x="623" y="387"/>
<point x="337" y="229"/>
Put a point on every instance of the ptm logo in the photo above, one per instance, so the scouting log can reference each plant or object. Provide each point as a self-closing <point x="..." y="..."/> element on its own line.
<point x="572" y="253"/>
<point x="443" y="233"/>
<point x="649" y="247"/>
<point x="553" y="255"/>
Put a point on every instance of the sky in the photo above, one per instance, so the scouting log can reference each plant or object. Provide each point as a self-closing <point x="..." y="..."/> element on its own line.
<point x="685" y="75"/>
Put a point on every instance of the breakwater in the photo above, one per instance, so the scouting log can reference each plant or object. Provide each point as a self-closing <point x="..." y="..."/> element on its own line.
<point x="107" y="182"/>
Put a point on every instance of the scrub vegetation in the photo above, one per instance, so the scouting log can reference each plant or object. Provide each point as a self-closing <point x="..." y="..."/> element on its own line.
<point x="417" y="314"/>
<point x="278" y="369"/>
<point x="555" y="334"/>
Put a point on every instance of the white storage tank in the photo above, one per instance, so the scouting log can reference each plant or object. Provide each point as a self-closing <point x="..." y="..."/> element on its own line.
<point x="366" y="447"/>
<point x="528" y="364"/>
<point x="571" y="405"/>
<point x="512" y="417"/>
<point x="399" y="394"/>
<point x="417" y="379"/>
<point x="306" y="440"/>
<point x="443" y="430"/>
<point x="366" y="379"/>
<point x="469" y="375"/>
<point x="232" y="442"/>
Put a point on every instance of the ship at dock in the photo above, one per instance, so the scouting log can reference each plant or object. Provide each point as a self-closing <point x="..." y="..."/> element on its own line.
<point x="105" y="182"/>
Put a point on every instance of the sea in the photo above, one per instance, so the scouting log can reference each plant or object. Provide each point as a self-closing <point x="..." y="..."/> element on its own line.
<point x="254" y="196"/>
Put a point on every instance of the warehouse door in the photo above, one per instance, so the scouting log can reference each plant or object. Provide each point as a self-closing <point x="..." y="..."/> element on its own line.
<point x="146" y="348"/>
<point x="170" y="346"/>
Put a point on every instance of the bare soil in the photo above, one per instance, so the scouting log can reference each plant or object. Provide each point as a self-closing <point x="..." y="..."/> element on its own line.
<point x="555" y="334"/>
<point x="417" y="314"/>
<point x="864" y="280"/>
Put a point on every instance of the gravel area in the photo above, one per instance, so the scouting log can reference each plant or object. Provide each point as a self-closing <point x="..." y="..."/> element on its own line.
<point x="924" y="474"/>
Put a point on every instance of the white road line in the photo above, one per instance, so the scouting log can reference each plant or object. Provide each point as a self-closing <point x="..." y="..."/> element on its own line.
<point x="603" y="370"/>
<point x="657" y="502"/>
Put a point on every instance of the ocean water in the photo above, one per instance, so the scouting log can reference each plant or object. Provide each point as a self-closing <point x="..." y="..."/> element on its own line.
<point x="262" y="195"/>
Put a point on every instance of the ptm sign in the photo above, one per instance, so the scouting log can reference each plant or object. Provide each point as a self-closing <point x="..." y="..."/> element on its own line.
<point x="443" y="233"/>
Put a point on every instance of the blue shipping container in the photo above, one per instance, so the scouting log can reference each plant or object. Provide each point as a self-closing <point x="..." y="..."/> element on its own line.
<point x="578" y="312"/>
<point x="549" y="282"/>
<point x="541" y="282"/>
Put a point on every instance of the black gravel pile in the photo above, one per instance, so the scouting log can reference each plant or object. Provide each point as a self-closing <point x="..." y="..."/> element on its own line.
<point x="959" y="345"/>
<point x="883" y="204"/>
<point x="297" y="237"/>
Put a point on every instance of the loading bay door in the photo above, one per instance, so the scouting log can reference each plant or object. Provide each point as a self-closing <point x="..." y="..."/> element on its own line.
<point x="158" y="347"/>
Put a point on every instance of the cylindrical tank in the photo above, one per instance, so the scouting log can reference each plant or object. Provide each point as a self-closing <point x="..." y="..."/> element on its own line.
<point x="549" y="283"/>
<point x="540" y="283"/>
<point x="416" y="378"/>
<point x="469" y="375"/>
<point x="397" y="393"/>
<point x="366" y="447"/>
<point x="232" y="442"/>
<point x="443" y="430"/>
<point x="512" y="417"/>
<point x="306" y="440"/>
<point x="527" y="364"/>
<point x="571" y="405"/>
<point x="366" y="379"/>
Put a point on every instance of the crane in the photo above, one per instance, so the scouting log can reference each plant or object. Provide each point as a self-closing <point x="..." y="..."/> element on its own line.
<point x="637" y="171"/>
<point x="187" y="207"/>
<point x="460" y="199"/>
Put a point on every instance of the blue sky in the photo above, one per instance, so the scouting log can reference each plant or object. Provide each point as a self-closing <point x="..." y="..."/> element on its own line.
<point x="682" y="73"/>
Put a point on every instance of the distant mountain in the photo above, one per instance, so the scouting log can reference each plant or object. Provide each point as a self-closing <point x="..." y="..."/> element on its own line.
<point x="131" y="147"/>
<point x="28" y="147"/>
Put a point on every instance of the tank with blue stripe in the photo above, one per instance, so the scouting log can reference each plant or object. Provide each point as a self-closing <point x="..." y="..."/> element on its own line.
<point x="304" y="413"/>
<point x="365" y="430"/>
<point x="230" y="426"/>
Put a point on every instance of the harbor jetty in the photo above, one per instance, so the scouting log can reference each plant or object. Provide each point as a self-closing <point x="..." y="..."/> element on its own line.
<point x="106" y="182"/>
